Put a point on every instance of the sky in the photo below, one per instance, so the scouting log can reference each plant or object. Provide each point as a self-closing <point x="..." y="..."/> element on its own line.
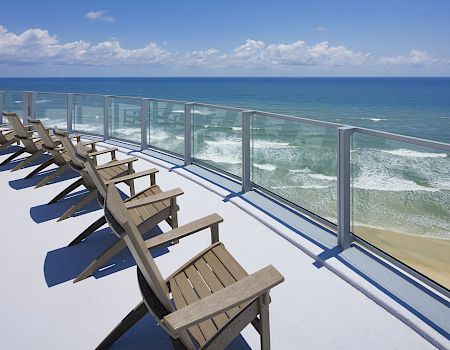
<point x="224" y="38"/>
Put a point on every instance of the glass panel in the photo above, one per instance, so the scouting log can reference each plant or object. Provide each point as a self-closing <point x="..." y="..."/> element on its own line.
<point x="218" y="138"/>
<point x="166" y="126"/>
<point x="13" y="102"/>
<point x="125" y="119"/>
<point x="87" y="114"/>
<point x="401" y="202"/>
<point x="51" y="109"/>
<point x="296" y="161"/>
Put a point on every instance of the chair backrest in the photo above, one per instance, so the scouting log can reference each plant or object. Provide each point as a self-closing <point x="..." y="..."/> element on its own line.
<point x="70" y="148"/>
<point x="83" y="155"/>
<point x="16" y="124"/>
<point x="123" y="226"/>
<point x="43" y="133"/>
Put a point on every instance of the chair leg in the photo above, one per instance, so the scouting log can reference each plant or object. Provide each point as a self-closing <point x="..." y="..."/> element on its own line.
<point x="66" y="191"/>
<point x="91" y="229"/>
<point x="14" y="155"/>
<point x="74" y="208"/>
<point x="129" y="321"/>
<point x="31" y="158"/>
<point x="61" y="170"/>
<point x="263" y="302"/>
<point x="101" y="260"/>
<point x="40" y="167"/>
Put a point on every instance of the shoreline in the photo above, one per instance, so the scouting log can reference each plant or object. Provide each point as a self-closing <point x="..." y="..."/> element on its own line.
<point x="429" y="256"/>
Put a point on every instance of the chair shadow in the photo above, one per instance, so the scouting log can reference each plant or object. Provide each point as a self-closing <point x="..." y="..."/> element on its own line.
<point x="13" y="163"/>
<point x="20" y="184"/>
<point x="148" y="334"/>
<point x="47" y="212"/>
<point x="9" y="150"/>
<point x="66" y="263"/>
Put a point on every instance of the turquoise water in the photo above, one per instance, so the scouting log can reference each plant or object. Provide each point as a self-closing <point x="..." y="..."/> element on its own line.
<point x="395" y="186"/>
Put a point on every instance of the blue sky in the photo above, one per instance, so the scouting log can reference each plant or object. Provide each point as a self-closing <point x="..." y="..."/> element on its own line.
<point x="224" y="38"/>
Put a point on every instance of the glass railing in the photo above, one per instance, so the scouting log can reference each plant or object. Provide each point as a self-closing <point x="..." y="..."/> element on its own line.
<point x="13" y="102"/>
<point x="401" y="202"/>
<point x="51" y="109"/>
<point x="296" y="161"/>
<point x="217" y="137"/>
<point x="125" y="118"/>
<point x="166" y="126"/>
<point x="87" y="114"/>
<point x="386" y="191"/>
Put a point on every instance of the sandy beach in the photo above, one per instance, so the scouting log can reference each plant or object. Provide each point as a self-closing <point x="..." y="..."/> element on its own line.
<point x="429" y="256"/>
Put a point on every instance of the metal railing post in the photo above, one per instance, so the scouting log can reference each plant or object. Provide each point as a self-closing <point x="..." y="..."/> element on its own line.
<point x="344" y="135"/>
<point x="188" y="133"/>
<point x="25" y="106"/>
<point x="246" y="158"/>
<point x="145" y="108"/>
<point x="106" y="110"/>
<point x="69" y="112"/>
<point x="2" y="105"/>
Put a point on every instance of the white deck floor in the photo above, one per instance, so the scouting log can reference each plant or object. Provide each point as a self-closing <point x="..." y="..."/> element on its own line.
<point x="41" y="308"/>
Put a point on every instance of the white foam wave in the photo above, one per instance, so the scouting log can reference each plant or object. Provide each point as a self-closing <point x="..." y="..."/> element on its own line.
<point x="288" y="187"/>
<point x="300" y="171"/>
<point x="219" y="158"/>
<point x="323" y="177"/>
<point x="415" y="154"/>
<point x="43" y="101"/>
<point x="392" y="184"/>
<point x="236" y="128"/>
<point x="268" y="167"/>
<point x="377" y="119"/>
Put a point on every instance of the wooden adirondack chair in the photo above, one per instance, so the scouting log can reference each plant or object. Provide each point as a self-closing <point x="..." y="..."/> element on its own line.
<point x="31" y="145"/>
<point x="148" y="208"/>
<point x="214" y="298"/>
<point x="113" y="169"/>
<point x="59" y="155"/>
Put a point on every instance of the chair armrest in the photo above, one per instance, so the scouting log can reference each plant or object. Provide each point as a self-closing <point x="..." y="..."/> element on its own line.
<point x="103" y="151"/>
<point x="155" y="198"/>
<point x="75" y="136"/>
<point x="244" y="290"/>
<point x="91" y="143"/>
<point x="117" y="162"/>
<point x="184" y="230"/>
<point x="133" y="176"/>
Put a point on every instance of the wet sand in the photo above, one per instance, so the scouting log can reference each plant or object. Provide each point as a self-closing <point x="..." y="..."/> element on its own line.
<point x="429" y="256"/>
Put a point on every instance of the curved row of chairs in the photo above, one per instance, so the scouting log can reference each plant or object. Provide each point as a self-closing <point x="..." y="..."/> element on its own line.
<point x="207" y="301"/>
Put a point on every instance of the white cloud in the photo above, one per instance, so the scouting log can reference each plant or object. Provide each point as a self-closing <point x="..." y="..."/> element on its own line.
<point x="257" y="53"/>
<point x="99" y="16"/>
<point x="321" y="29"/>
<point x="38" y="46"/>
<point x="414" y="58"/>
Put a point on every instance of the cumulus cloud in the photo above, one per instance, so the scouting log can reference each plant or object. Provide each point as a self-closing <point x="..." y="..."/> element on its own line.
<point x="38" y="46"/>
<point x="414" y="58"/>
<point x="321" y="29"/>
<point x="99" y="16"/>
<point x="257" y="53"/>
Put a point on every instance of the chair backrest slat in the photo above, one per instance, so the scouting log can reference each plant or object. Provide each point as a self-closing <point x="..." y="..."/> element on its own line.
<point x="122" y="224"/>
<point x="82" y="154"/>
<point x="69" y="147"/>
<point x="43" y="133"/>
<point x="17" y="125"/>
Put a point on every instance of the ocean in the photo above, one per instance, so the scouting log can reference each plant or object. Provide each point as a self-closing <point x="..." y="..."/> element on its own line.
<point x="395" y="186"/>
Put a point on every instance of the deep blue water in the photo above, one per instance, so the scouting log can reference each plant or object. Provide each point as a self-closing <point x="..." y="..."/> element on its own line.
<point x="413" y="106"/>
